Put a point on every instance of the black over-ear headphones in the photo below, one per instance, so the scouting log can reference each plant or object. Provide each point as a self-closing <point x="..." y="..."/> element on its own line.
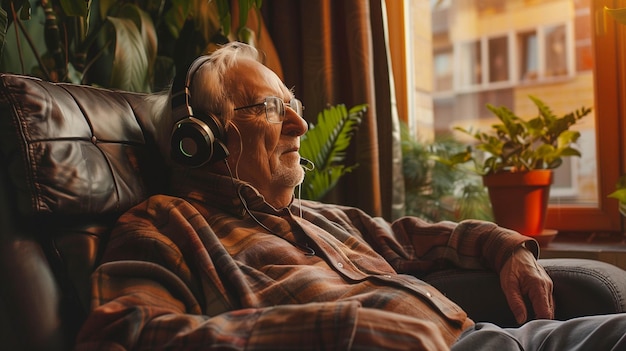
<point x="196" y="139"/>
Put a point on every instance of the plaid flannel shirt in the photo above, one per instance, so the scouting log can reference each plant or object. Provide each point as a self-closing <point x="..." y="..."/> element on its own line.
<point x="196" y="271"/>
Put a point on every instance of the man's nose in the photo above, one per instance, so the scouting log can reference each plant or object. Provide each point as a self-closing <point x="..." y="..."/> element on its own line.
<point x="294" y="124"/>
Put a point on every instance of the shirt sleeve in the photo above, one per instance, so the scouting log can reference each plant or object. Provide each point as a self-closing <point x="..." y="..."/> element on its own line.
<point x="412" y="245"/>
<point x="469" y="244"/>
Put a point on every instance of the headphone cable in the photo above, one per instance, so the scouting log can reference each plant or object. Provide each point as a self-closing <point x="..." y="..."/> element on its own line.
<point x="308" y="251"/>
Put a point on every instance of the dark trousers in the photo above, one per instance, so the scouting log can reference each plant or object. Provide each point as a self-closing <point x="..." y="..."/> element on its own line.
<point x="593" y="333"/>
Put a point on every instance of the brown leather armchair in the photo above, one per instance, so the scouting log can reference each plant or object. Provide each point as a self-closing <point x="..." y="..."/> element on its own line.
<point x="73" y="158"/>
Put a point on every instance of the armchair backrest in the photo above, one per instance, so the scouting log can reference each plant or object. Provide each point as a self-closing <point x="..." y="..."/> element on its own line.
<point x="72" y="159"/>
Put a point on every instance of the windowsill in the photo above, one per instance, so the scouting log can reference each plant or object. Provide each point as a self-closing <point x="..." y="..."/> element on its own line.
<point x="607" y="247"/>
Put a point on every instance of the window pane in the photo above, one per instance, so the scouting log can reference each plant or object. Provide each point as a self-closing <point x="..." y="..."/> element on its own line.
<point x="556" y="52"/>
<point x="470" y="57"/>
<point x="528" y="49"/>
<point x="551" y="58"/>
<point x="498" y="59"/>
<point x="443" y="70"/>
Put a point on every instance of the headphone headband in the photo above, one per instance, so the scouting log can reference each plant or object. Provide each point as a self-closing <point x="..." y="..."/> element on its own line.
<point x="181" y="94"/>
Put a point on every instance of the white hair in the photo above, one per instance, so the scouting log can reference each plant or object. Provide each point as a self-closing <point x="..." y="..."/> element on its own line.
<point x="208" y="94"/>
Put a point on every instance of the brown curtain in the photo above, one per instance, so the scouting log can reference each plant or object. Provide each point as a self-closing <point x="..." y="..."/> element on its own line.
<point x="336" y="52"/>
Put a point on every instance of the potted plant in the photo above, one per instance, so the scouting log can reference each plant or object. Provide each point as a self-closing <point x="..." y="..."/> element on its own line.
<point x="516" y="157"/>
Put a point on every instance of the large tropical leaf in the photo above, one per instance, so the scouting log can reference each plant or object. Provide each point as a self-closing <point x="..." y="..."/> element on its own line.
<point x="317" y="183"/>
<point x="130" y="65"/>
<point x="325" y="144"/>
<point x="135" y="49"/>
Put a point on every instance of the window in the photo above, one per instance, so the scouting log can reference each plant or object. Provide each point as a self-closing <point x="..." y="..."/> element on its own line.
<point x="498" y="63"/>
<point x="507" y="50"/>
<point x="470" y="57"/>
<point x="443" y="69"/>
<point x="556" y="51"/>
<point x="543" y="53"/>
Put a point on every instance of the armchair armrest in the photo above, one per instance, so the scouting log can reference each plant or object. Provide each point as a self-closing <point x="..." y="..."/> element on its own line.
<point x="581" y="287"/>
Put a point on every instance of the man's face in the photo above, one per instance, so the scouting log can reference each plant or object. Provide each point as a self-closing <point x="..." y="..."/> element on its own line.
<point x="263" y="153"/>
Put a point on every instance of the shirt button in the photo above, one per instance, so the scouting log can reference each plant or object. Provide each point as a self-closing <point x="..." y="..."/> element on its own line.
<point x="339" y="265"/>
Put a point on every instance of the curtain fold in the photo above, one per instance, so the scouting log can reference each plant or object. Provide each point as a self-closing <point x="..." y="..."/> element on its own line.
<point x="336" y="52"/>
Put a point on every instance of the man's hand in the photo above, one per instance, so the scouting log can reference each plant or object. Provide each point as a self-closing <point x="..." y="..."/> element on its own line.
<point x="522" y="276"/>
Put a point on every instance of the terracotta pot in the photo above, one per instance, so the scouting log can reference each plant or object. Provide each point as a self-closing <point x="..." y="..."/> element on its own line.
<point x="520" y="200"/>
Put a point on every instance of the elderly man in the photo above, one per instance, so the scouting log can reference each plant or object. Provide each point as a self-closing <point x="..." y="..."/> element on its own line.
<point x="229" y="260"/>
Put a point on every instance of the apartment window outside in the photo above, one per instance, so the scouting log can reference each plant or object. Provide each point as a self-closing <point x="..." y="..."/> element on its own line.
<point x="543" y="50"/>
<point x="503" y="51"/>
<point x="557" y="51"/>
<point x="471" y="71"/>
<point x="528" y="53"/>
<point x="498" y="59"/>
<point x="443" y="69"/>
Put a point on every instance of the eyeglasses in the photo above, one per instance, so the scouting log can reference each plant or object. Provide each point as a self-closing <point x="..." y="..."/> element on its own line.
<point x="275" y="108"/>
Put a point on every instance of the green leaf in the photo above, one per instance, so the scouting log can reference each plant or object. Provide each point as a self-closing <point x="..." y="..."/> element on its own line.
<point x="177" y="15"/>
<point x="544" y="150"/>
<point x="77" y="8"/>
<point x="26" y="10"/>
<point x="130" y="63"/>
<point x="567" y="137"/>
<point x="325" y="144"/>
<point x="244" y="8"/>
<point x="105" y="6"/>
<point x="619" y="194"/>
<point x="143" y="22"/>
<point x="246" y="35"/>
<point x="317" y="184"/>
<point x="569" y="151"/>
<point x="223" y="10"/>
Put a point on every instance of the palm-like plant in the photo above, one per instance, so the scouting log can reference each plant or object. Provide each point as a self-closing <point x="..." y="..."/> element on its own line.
<point x="325" y="144"/>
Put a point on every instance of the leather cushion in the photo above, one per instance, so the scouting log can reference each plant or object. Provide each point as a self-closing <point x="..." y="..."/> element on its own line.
<point x="80" y="150"/>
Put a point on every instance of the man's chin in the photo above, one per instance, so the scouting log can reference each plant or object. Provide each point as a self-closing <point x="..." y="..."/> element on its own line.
<point x="291" y="177"/>
<point x="300" y="176"/>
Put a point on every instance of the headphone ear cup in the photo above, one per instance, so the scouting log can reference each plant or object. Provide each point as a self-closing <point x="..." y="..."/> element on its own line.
<point x="195" y="143"/>
<point x="220" y="151"/>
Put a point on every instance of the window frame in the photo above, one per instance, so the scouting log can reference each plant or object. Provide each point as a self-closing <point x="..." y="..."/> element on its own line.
<point x="610" y="84"/>
<point x="609" y="67"/>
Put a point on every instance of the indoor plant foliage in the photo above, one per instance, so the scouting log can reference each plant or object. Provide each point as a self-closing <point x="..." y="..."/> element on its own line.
<point x="134" y="45"/>
<point x="325" y="144"/>
<point x="437" y="192"/>
<point x="518" y="151"/>
<point x="518" y="145"/>
<point x="620" y="194"/>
